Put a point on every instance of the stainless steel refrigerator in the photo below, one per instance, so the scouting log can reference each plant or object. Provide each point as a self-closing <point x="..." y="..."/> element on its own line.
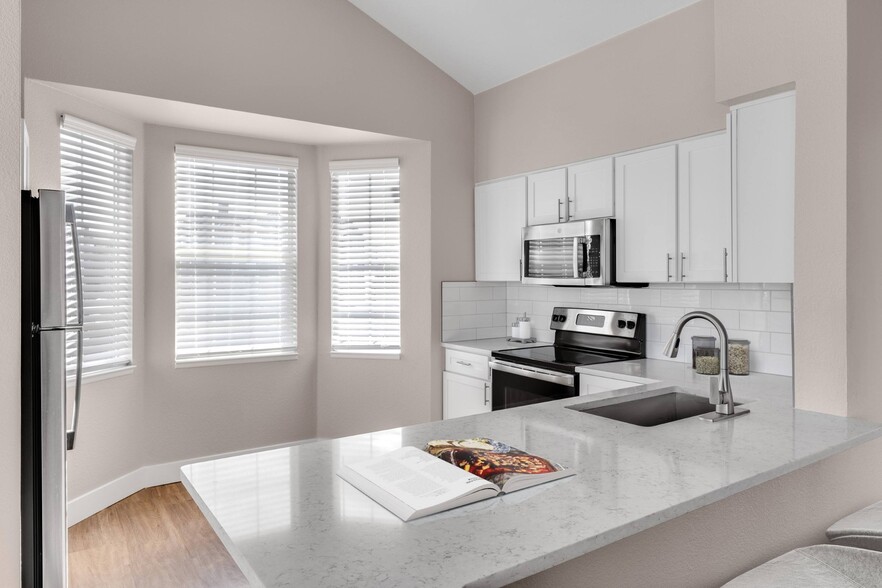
<point x="49" y="235"/>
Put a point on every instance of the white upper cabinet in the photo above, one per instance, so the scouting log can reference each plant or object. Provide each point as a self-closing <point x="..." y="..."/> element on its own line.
<point x="646" y="213"/>
<point x="705" y="209"/>
<point x="500" y="214"/>
<point x="590" y="189"/>
<point x="547" y="197"/>
<point x="764" y="145"/>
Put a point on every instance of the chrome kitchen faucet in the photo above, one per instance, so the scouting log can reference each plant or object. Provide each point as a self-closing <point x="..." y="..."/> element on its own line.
<point x="722" y="398"/>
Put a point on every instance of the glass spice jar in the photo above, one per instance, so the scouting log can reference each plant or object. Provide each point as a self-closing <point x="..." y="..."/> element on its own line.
<point x="702" y="345"/>
<point x="708" y="362"/>
<point x="739" y="357"/>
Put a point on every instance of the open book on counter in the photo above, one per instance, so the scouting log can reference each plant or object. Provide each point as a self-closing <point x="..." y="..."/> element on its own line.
<point x="413" y="483"/>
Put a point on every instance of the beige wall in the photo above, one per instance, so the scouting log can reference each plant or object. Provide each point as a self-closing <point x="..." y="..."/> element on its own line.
<point x="111" y="421"/>
<point x="864" y="205"/>
<point x="649" y="85"/>
<point x="762" y="45"/>
<point x="319" y="61"/>
<point x="363" y="395"/>
<point x="712" y="545"/>
<point x="10" y="264"/>
<point x="197" y="411"/>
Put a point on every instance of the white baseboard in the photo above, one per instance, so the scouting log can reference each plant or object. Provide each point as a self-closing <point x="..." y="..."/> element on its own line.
<point x="85" y="505"/>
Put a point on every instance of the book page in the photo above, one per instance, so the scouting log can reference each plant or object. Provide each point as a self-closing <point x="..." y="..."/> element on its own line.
<point x="417" y="478"/>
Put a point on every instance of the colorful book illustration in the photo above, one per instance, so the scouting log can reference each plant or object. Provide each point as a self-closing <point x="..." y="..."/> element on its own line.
<point x="414" y="483"/>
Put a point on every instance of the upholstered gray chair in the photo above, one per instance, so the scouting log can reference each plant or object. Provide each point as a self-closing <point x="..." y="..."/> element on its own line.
<point x="862" y="529"/>
<point x="818" y="566"/>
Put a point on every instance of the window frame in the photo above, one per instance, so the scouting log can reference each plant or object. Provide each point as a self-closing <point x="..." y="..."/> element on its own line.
<point x="363" y="166"/>
<point x="122" y="144"/>
<point x="244" y="159"/>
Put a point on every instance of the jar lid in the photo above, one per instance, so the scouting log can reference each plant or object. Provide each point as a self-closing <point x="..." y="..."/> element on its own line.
<point x="703" y="339"/>
<point x="739" y="341"/>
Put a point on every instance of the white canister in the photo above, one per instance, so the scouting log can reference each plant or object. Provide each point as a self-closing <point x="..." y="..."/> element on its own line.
<point x="516" y="330"/>
<point x="525" y="328"/>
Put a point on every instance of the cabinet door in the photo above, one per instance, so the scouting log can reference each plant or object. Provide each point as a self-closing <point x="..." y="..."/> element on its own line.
<point x="500" y="214"/>
<point x="646" y="213"/>
<point x="465" y="396"/>
<point x="590" y="189"/>
<point x="547" y="197"/>
<point x="705" y="208"/>
<point x="764" y="165"/>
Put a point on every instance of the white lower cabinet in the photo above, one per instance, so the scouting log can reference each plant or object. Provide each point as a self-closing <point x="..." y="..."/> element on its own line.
<point x="596" y="384"/>
<point x="464" y="396"/>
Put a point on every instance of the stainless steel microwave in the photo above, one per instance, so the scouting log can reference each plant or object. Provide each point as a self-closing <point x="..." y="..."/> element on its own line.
<point x="580" y="253"/>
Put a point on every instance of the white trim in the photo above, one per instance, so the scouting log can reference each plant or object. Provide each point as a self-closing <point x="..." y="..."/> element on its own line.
<point x="232" y="359"/>
<point x="83" y="126"/>
<point x="25" y="157"/>
<point x="237" y="156"/>
<point x="769" y="98"/>
<point x="367" y="354"/>
<point x="86" y="505"/>
<point x="360" y="164"/>
<point x="105" y="374"/>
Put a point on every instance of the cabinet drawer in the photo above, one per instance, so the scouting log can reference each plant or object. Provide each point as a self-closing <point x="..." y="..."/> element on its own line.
<point x="468" y="364"/>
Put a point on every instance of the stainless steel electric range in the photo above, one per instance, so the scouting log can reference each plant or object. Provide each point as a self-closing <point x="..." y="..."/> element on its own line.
<point x="581" y="337"/>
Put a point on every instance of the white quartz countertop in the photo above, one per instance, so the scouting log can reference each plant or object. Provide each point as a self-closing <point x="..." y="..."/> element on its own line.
<point x="485" y="346"/>
<point x="288" y="520"/>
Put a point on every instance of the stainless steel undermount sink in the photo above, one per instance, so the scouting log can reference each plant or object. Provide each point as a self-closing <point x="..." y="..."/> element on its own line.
<point x="651" y="411"/>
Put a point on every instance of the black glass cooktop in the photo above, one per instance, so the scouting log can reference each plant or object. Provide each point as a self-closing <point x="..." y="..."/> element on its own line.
<point x="561" y="359"/>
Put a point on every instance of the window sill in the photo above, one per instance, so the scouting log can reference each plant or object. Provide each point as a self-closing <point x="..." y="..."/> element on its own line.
<point x="107" y="374"/>
<point x="367" y="354"/>
<point x="233" y="359"/>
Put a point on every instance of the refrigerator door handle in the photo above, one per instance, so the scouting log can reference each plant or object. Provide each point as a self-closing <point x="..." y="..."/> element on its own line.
<point x="70" y="218"/>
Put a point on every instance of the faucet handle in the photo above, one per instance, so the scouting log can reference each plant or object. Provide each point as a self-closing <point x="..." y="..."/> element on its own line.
<point x="714" y="390"/>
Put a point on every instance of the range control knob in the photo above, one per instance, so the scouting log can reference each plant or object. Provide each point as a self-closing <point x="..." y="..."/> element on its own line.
<point x="621" y="324"/>
<point x="631" y="324"/>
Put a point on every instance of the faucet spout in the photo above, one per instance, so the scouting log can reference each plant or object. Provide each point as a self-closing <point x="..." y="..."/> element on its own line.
<point x="725" y="404"/>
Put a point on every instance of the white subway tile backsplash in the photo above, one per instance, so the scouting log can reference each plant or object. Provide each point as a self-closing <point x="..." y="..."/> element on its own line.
<point x="742" y="299"/>
<point x="759" y="313"/>
<point x="476" y="294"/>
<point x="686" y="298"/>
<point x="458" y="308"/>
<point x="753" y="320"/>
<point x="490" y="306"/>
<point x="781" y="343"/>
<point x="782" y="301"/>
<point x="780" y="322"/>
<point x="471" y="321"/>
<point x="490" y="332"/>
<point x="600" y="296"/>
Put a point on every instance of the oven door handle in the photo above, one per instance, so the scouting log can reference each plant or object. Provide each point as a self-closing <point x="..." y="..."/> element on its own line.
<point x="535" y="373"/>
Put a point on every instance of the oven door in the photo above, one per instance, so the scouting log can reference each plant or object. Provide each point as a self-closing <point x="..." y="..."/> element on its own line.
<point x="519" y="385"/>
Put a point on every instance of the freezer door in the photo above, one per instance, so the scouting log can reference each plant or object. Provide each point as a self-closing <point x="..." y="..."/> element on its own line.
<point x="53" y="260"/>
<point x="53" y="438"/>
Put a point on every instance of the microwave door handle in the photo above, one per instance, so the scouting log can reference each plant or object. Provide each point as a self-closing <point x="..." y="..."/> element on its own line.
<point x="584" y="244"/>
<point x="576" y="264"/>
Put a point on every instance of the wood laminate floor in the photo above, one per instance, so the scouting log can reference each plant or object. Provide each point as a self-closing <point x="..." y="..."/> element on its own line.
<point x="155" y="538"/>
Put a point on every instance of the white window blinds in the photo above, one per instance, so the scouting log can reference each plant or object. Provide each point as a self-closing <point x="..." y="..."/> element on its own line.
<point x="235" y="254"/>
<point x="96" y="175"/>
<point x="365" y="256"/>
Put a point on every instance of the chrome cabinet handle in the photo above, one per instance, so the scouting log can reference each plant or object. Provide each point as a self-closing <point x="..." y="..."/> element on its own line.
<point x="559" y="213"/>
<point x="486" y="388"/>
<point x="570" y="206"/>
<point x="465" y="363"/>
<point x="71" y="219"/>
<point x="668" y="261"/>
<point x="682" y="266"/>
<point x="725" y="264"/>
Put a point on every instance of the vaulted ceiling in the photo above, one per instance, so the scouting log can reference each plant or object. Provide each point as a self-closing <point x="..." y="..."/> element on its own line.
<point x="484" y="43"/>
